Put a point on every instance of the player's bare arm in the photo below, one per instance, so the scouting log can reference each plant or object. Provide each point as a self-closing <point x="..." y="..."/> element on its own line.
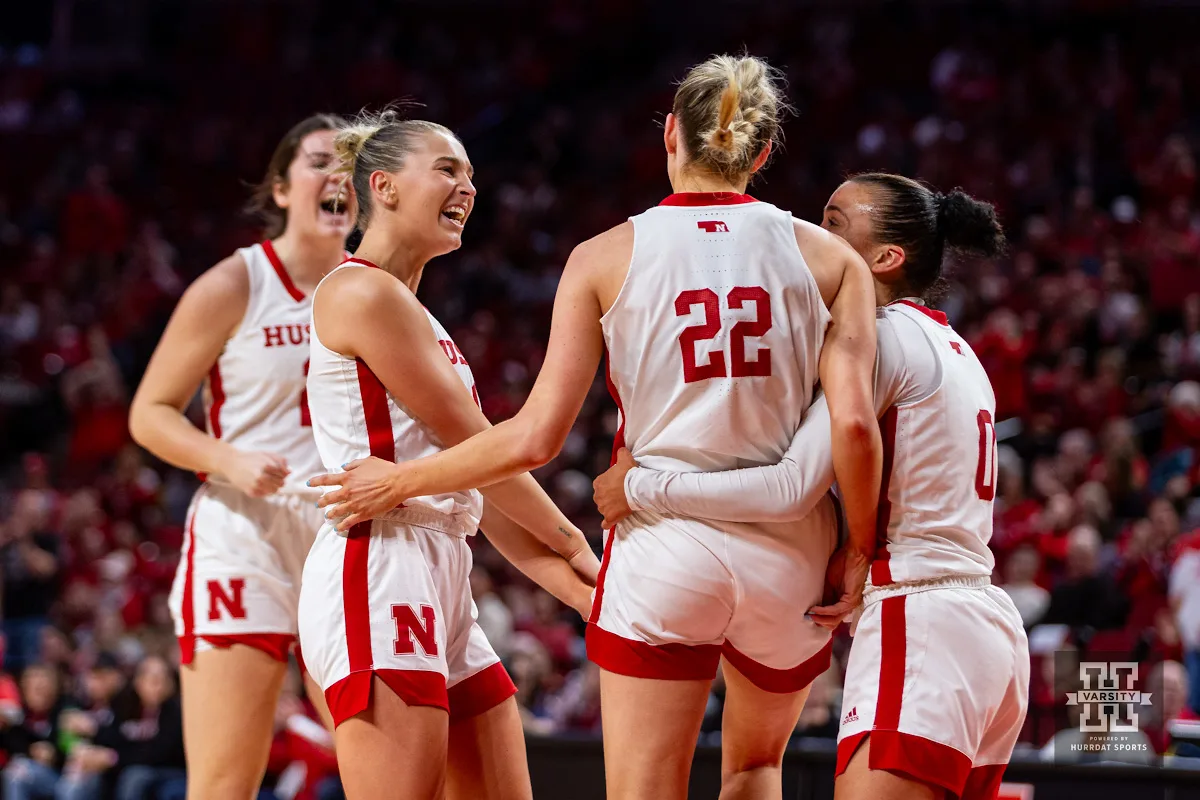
<point x="847" y="376"/>
<point x="536" y="561"/>
<point x="207" y="314"/>
<point x="420" y="377"/>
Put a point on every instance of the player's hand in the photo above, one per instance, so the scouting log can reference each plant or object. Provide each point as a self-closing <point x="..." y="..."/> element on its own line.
<point x="256" y="474"/>
<point x="846" y="575"/>
<point x="368" y="489"/>
<point x="608" y="490"/>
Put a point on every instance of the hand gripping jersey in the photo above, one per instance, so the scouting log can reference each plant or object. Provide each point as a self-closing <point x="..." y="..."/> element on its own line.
<point x="254" y="397"/>
<point x="355" y="417"/>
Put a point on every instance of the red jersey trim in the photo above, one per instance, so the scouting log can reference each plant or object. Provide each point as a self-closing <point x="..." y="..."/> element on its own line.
<point x="480" y="693"/>
<point x="217" y="390"/>
<point x="352" y="694"/>
<point x="276" y="645"/>
<point x="281" y="271"/>
<point x="363" y="261"/>
<point x="881" y="570"/>
<point x="187" y="642"/>
<point x="932" y="313"/>
<point x="667" y="662"/>
<point x="779" y="681"/>
<point x="707" y="199"/>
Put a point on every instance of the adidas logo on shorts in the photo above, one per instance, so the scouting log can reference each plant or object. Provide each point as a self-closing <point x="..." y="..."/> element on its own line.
<point x="851" y="716"/>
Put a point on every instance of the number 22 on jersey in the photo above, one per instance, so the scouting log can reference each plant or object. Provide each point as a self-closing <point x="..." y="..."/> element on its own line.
<point x="739" y="366"/>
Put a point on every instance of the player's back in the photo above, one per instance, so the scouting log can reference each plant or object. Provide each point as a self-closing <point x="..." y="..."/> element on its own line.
<point x="714" y="339"/>
<point x="939" y="456"/>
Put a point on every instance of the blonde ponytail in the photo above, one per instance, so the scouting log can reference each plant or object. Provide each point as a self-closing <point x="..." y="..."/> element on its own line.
<point x="729" y="108"/>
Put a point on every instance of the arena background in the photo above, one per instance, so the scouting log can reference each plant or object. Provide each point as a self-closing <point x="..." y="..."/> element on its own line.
<point x="131" y="128"/>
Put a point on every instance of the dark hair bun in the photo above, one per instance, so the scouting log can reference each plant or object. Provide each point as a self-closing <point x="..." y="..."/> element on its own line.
<point x="969" y="225"/>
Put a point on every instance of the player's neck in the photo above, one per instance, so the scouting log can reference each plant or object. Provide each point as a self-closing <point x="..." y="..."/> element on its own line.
<point x="393" y="256"/>
<point x="688" y="181"/>
<point x="308" y="260"/>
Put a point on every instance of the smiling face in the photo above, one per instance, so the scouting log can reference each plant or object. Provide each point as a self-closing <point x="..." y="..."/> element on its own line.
<point x="318" y="202"/>
<point x="431" y="197"/>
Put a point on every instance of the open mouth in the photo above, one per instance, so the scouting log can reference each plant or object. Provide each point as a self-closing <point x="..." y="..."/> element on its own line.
<point x="456" y="214"/>
<point x="335" y="205"/>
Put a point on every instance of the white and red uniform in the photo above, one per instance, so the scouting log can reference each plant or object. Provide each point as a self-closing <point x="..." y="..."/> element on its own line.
<point x="938" y="674"/>
<point x="391" y="598"/>
<point x="713" y="345"/>
<point x="238" y="580"/>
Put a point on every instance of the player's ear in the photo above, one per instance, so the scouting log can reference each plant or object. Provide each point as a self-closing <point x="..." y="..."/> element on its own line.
<point x="762" y="158"/>
<point x="888" y="262"/>
<point x="671" y="135"/>
<point x="279" y="192"/>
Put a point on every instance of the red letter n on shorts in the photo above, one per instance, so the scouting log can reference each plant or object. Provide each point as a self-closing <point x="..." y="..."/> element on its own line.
<point x="232" y="600"/>
<point x="411" y="631"/>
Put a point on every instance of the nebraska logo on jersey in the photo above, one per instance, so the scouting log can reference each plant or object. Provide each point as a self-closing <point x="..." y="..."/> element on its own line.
<point x="712" y="226"/>
<point x="295" y="334"/>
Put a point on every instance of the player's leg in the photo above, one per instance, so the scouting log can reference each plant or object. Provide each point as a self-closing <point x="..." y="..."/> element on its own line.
<point x="317" y="698"/>
<point x="860" y="782"/>
<point x="650" y="731"/>
<point x="755" y="727"/>
<point x="486" y="758"/>
<point x="229" y="697"/>
<point x="392" y="751"/>
<point x="662" y="604"/>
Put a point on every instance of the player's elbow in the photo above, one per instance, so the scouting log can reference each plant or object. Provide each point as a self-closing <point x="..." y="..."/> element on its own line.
<point x="138" y="426"/>
<point x="855" y="426"/>
<point x="537" y="447"/>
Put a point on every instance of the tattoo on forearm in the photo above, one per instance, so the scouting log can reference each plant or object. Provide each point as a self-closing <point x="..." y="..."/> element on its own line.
<point x="565" y="532"/>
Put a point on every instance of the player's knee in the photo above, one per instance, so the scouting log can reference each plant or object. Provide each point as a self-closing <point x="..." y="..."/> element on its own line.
<point x="222" y="782"/>
<point x="750" y="763"/>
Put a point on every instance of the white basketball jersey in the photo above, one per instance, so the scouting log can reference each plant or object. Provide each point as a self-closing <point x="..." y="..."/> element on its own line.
<point x="714" y="340"/>
<point x="254" y="394"/>
<point x="939" y="469"/>
<point x="354" y="416"/>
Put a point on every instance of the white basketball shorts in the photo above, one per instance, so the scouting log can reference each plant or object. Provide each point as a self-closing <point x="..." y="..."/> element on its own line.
<point x="675" y="595"/>
<point x="392" y="600"/>
<point x="938" y="678"/>
<point x="238" y="580"/>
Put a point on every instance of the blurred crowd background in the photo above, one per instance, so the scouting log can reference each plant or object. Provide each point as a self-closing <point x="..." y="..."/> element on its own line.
<point x="132" y="128"/>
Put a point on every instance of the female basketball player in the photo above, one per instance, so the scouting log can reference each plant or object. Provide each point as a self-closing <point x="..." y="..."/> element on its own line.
<point x="242" y="329"/>
<point x="714" y="322"/>
<point x="937" y="684"/>
<point x="422" y="706"/>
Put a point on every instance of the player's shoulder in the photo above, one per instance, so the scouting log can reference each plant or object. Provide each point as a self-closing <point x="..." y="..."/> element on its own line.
<point x="607" y="245"/>
<point x="362" y="287"/>
<point x="817" y="243"/>
<point x="596" y="256"/>
<point x="226" y="283"/>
